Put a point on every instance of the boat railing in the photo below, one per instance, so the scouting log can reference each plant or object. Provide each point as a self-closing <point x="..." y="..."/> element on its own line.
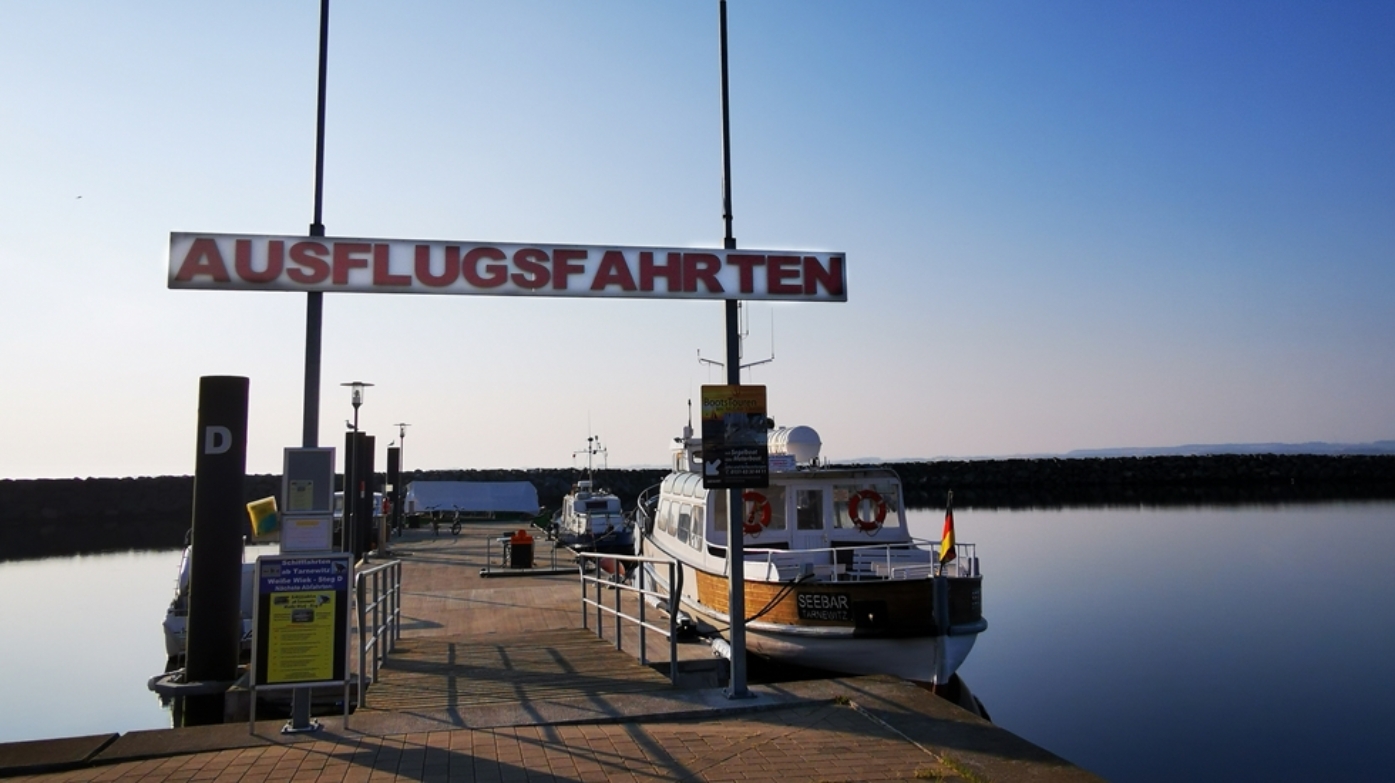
<point x="378" y="591"/>
<point x="914" y="558"/>
<point x="609" y="572"/>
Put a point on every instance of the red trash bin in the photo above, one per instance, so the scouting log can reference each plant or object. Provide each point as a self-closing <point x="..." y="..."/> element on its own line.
<point x="521" y="550"/>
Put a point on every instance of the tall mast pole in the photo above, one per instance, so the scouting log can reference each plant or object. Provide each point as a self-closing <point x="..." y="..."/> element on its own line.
<point x="736" y="555"/>
<point x="314" y="302"/>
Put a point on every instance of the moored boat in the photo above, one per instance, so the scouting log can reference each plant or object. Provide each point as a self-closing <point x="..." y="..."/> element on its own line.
<point x="833" y="578"/>
<point x="176" y="622"/>
<point x="592" y="518"/>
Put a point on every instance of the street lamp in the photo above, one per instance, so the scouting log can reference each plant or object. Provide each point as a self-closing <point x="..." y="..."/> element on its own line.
<point x="357" y="397"/>
<point x="352" y="488"/>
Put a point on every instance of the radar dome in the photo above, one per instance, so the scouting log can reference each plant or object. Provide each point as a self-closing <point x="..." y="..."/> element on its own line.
<point x="801" y="442"/>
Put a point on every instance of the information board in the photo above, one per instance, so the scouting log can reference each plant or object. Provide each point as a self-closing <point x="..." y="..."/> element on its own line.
<point x="301" y="619"/>
<point x="735" y="454"/>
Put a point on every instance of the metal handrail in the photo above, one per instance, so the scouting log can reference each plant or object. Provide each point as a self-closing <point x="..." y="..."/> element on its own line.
<point x="964" y="554"/>
<point x="379" y="597"/>
<point x="602" y="582"/>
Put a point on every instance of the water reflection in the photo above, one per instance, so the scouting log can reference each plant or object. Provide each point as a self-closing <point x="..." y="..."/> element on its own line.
<point x="82" y="636"/>
<point x="1201" y="643"/>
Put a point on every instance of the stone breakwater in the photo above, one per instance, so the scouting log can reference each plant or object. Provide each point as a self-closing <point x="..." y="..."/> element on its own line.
<point x="57" y="517"/>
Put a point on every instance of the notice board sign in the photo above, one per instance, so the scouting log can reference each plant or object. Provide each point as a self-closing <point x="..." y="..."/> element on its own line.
<point x="734" y="430"/>
<point x="301" y="619"/>
<point x="307" y="483"/>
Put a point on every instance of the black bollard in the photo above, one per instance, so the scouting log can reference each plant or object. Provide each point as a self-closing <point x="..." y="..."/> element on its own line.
<point x="394" y="480"/>
<point x="365" y="482"/>
<point x="215" y="565"/>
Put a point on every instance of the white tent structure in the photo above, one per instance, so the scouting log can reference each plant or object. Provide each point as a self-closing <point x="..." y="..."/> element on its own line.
<point x="476" y="499"/>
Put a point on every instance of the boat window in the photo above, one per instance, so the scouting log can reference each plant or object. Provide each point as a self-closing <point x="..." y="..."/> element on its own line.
<point x="696" y="538"/>
<point x="717" y="505"/>
<point x="808" y="509"/>
<point x="869" y="508"/>
<point x="685" y="524"/>
<point x="665" y="516"/>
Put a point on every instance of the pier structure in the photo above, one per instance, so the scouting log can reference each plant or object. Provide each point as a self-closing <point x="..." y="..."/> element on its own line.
<point x="499" y="679"/>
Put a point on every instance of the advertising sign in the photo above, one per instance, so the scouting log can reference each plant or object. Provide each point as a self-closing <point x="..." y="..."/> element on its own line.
<point x="229" y="262"/>
<point x="301" y="619"/>
<point x="734" y="430"/>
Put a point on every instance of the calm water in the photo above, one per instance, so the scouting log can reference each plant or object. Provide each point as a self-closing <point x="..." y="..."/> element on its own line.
<point x="1191" y="644"/>
<point x="1142" y="644"/>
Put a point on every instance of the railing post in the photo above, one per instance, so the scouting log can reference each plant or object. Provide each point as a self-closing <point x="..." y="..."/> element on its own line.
<point x="643" y="643"/>
<point x="581" y="575"/>
<point x="619" y="628"/>
<point x="362" y="616"/>
<point x="377" y="622"/>
<point x="672" y="625"/>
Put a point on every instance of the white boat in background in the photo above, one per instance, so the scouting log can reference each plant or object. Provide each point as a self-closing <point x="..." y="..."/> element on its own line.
<point x="592" y="519"/>
<point x="833" y="578"/>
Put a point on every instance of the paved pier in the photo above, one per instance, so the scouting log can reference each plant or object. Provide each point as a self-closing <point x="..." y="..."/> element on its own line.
<point x="496" y="680"/>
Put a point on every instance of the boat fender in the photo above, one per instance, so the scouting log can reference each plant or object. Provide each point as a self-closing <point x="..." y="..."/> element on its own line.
<point x="878" y="510"/>
<point x="759" y="518"/>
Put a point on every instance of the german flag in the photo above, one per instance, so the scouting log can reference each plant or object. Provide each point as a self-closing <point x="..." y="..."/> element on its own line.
<point x="947" y="537"/>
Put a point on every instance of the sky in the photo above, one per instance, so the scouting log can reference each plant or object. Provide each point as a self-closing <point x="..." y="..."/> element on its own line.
<point x="1068" y="225"/>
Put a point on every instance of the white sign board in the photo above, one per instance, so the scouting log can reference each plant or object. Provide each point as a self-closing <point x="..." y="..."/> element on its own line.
<point x="237" y="262"/>
<point x="307" y="533"/>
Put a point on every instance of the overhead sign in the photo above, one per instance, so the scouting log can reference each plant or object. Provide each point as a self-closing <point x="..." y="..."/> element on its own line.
<point x="734" y="431"/>
<point x="237" y="262"/>
<point x="301" y="619"/>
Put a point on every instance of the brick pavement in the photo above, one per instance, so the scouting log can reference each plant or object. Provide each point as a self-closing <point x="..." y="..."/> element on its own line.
<point x="822" y="742"/>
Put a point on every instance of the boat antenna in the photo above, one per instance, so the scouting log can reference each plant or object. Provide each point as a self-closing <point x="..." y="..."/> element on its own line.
<point x="593" y="447"/>
<point x="744" y="331"/>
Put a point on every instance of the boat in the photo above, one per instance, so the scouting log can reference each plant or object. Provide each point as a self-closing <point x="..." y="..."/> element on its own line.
<point x="592" y="519"/>
<point x="833" y="579"/>
<point x="176" y="623"/>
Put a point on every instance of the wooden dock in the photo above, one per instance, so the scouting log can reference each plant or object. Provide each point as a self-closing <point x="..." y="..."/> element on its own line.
<point x="497" y="679"/>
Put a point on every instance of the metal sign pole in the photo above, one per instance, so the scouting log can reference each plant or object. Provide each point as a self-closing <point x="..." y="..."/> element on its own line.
<point x="736" y="577"/>
<point x="314" y="318"/>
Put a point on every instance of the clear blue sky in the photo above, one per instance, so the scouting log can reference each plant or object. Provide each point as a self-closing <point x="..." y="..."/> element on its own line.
<point x="1068" y="224"/>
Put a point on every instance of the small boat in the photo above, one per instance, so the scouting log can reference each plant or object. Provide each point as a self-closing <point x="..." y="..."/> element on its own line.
<point x="592" y="519"/>
<point x="833" y="578"/>
<point x="176" y="623"/>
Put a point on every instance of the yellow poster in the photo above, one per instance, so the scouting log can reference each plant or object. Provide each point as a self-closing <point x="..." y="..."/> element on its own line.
<point x="301" y="495"/>
<point x="300" y="645"/>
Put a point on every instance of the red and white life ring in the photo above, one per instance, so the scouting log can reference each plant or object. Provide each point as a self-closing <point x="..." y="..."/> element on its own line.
<point x="878" y="510"/>
<point x="759" y="518"/>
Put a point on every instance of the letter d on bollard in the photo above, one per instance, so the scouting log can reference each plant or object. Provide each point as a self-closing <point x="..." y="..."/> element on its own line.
<point x="216" y="440"/>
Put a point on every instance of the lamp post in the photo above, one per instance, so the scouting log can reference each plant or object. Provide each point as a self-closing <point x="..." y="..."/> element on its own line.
<point x="351" y="478"/>
<point x="399" y="493"/>
<point x="401" y="443"/>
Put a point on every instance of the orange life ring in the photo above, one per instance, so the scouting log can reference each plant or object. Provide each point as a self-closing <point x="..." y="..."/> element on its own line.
<point x="878" y="510"/>
<point x="752" y="525"/>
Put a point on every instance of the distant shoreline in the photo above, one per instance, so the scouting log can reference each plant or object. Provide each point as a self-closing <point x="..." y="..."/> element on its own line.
<point x="63" y="517"/>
